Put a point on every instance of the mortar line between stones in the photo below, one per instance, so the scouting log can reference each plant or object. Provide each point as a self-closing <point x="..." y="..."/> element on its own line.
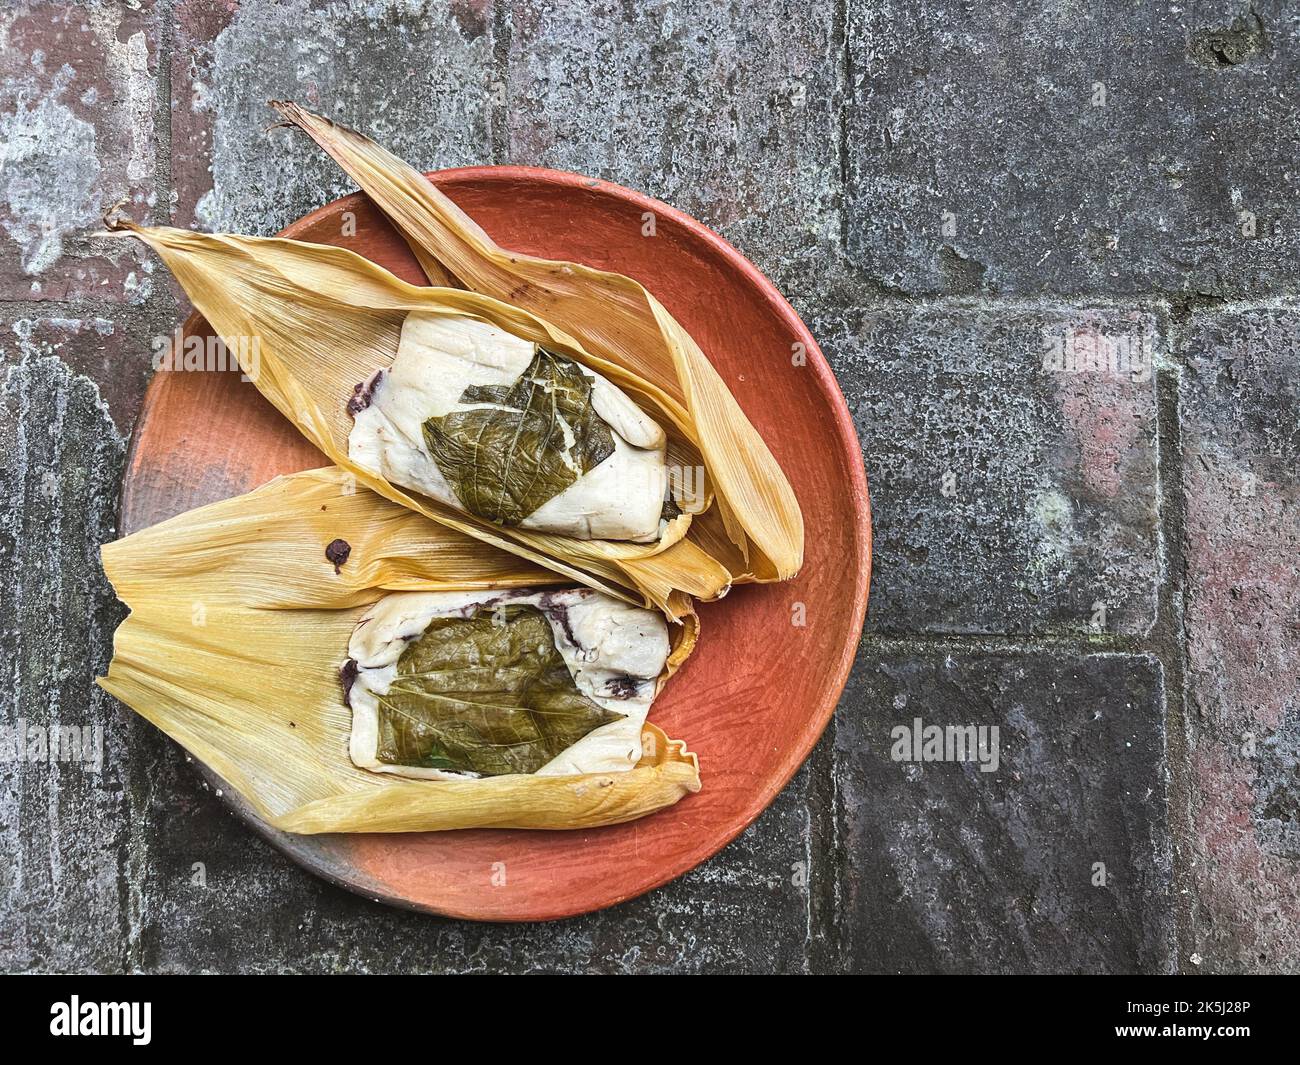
<point x="1175" y="304"/>
<point x="498" y="112"/>
<point x="1003" y="643"/>
<point x="88" y="306"/>
<point x="163" y="116"/>
<point x="1171" y="639"/>
<point x="841" y="18"/>
<point x="823" y="951"/>
<point x="50" y="310"/>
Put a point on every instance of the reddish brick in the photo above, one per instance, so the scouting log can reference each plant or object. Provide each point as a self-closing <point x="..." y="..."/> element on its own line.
<point x="115" y="354"/>
<point x="1241" y="449"/>
<point x="67" y="829"/>
<point x="77" y="101"/>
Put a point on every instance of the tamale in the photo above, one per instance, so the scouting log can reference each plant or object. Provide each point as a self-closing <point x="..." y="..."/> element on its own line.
<point x="447" y="685"/>
<point x="243" y="617"/>
<point x="619" y="323"/>
<point x="485" y="422"/>
<point x="322" y="319"/>
<point x="331" y="326"/>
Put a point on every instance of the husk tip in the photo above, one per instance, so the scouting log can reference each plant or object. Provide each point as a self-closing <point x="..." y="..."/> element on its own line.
<point x="116" y="223"/>
<point x="288" y="111"/>
<point x="295" y="115"/>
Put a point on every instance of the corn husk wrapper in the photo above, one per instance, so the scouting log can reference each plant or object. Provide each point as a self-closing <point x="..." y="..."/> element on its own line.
<point x="327" y="319"/>
<point x="239" y="625"/>
<point x="756" y="528"/>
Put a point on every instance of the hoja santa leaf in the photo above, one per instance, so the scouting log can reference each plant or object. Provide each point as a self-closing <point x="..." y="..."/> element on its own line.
<point x="489" y="694"/>
<point x="527" y="444"/>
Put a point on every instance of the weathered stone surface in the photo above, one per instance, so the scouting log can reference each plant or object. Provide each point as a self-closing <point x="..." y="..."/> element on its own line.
<point x="727" y="111"/>
<point x="111" y="354"/>
<point x="746" y="910"/>
<point x="952" y="869"/>
<point x="1011" y="455"/>
<point x="1241" y="449"/>
<point x="77" y="100"/>
<point x="66" y="895"/>
<point x="415" y="76"/>
<point x="1075" y="148"/>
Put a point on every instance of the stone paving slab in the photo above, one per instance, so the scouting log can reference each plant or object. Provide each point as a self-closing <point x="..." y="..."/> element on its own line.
<point x="78" y="90"/>
<point x="231" y="174"/>
<point x="1240" y="465"/>
<point x="1012" y="461"/>
<point x="66" y="798"/>
<point x="1055" y="857"/>
<point x="728" y="111"/>
<point x="1102" y="147"/>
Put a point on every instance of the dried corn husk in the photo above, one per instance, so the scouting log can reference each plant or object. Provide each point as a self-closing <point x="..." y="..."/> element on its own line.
<point x="239" y="624"/>
<point x="628" y="333"/>
<point x="327" y="319"/>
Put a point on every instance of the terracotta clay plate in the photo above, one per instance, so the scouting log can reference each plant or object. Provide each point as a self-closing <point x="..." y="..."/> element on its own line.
<point x="760" y="688"/>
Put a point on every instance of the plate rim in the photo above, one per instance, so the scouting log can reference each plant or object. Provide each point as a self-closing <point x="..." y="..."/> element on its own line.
<point x="313" y="860"/>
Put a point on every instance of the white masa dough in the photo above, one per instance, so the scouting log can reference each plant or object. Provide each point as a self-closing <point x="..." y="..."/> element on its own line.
<point x="602" y="640"/>
<point x="438" y="358"/>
